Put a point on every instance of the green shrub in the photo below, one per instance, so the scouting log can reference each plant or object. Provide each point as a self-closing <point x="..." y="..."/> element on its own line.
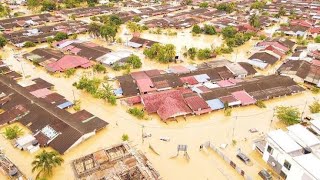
<point x="139" y="113"/>
<point x="29" y="44"/>
<point x="260" y="104"/>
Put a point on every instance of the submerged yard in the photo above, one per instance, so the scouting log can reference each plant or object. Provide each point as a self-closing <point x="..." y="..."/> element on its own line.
<point x="193" y="131"/>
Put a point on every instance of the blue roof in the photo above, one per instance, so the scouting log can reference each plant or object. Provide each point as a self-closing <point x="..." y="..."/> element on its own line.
<point x="258" y="63"/>
<point x="118" y="91"/>
<point x="215" y="104"/>
<point x="65" y="105"/>
<point x="202" y="78"/>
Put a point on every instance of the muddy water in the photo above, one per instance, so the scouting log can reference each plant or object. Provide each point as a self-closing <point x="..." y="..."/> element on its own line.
<point x="214" y="127"/>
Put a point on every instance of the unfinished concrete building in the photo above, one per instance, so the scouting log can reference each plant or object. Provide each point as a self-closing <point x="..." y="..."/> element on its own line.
<point x="119" y="162"/>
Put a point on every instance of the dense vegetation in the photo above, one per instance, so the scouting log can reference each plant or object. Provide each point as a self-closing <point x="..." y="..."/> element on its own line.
<point x="4" y="11"/>
<point x="161" y="53"/>
<point x="207" y="29"/>
<point x="96" y="88"/>
<point x="107" y="28"/>
<point x="45" y="162"/>
<point x="12" y="132"/>
<point x="47" y="5"/>
<point x="288" y="115"/>
<point x="234" y="38"/>
<point x="137" y="112"/>
<point x="3" y="41"/>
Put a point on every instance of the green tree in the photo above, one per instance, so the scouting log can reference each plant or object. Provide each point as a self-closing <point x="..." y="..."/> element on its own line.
<point x="108" y="32"/>
<point x="3" y="41"/>
<point x="314" y="107"/>
<point x="125" y="137"/>
<point x="136" y="19"/>
<point x="137" y="112"/>
<point x="254" y="21"/>
<point x="77" y="105"/>
<point x="134" y="27"/>
<point x="204" y="54"/>
<point x="260" y="104"/>
<point x="4" y="11"/>
<point x="12" y="132"/>
<point x="48" y="5"/>
<point x="32" y="4"/>
<point x="94" y="29"/>
<point x="282" y="11"/>
<point x="99" y="68"/>
<point x="161" y="53"/>
<point x="229" y="32"/>
<point x="45" y="162"/>
<point x="204" y="5"/>
<point x="71" y="3"/>
<point x="257" y="5"/>
<point x="70" y="72"/>
<point x="60" y="36"/>
<point x="114" y="20"/>
<point x="288" y="115"/>
<point x="227" y="7"/>
<point x="196" y="29"/>
<point x="134" y="61"/>
<point x="317" y="40"/>
<point x="192" y="52"/>
<point x="208" y="29"/>
<point x="50" y="40"/>
<point x="112" y="99"/>
<point x="29" y="44"/>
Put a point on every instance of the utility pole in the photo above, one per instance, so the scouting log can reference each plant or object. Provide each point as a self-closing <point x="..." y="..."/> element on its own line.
<point x="273" y="114"/>
<point x="22" y="69"/>
<point x="142" y="127"/>
<point x="304" y="108"/>
<point x="74" y="97"/>
<point x="234" y="124"/>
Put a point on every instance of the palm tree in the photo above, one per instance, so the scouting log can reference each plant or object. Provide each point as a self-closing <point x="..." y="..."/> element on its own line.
<point x="12" y="132"/>
<point x="254" y="21"/>
<point x="45" y="162"/>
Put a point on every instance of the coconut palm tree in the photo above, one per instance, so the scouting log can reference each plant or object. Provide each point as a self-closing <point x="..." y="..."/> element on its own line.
<point x="12" y="132"/>
<point x="45" y="162"/>
<point x="254" y="21"/>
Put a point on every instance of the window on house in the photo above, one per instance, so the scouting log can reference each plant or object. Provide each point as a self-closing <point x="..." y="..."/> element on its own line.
<point x="283" y="175"/>
<point x="287" y="165"/>
<point x="270" y="150"/>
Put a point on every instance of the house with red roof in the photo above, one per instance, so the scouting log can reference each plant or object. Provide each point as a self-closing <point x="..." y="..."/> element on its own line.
<point x="68" y="62"/>
<point x="301" y="22"/>
<point x="167" y="104"/>
<point x="197" y="104"/>
<point x="314" y="32"/>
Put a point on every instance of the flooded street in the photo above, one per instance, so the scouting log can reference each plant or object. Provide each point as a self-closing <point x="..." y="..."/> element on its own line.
<point x="193" y="131"/>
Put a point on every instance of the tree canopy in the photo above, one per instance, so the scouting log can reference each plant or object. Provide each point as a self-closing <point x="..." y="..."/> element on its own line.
<point x="257" y="5"/>
<point x="60" y="36"/>
<point x="229" y="32"/>
<point x="204" y="54"/>
<point x="45" y="162"/>
<point x="315" y="107"/>
<point x="227" y="7"/>
<point x="134" y="61"/>
<point x="317" y="39"/>
<point x="254" y="21"/>
<point x="3" y="41"/>
<point x="4" y="11"/>
<point x="288" y="115"/>
<point x="161" y="53"/>
<point x="196" y="29"/>
<point x="12" y="132"/>
<point x="204" y="5"/>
